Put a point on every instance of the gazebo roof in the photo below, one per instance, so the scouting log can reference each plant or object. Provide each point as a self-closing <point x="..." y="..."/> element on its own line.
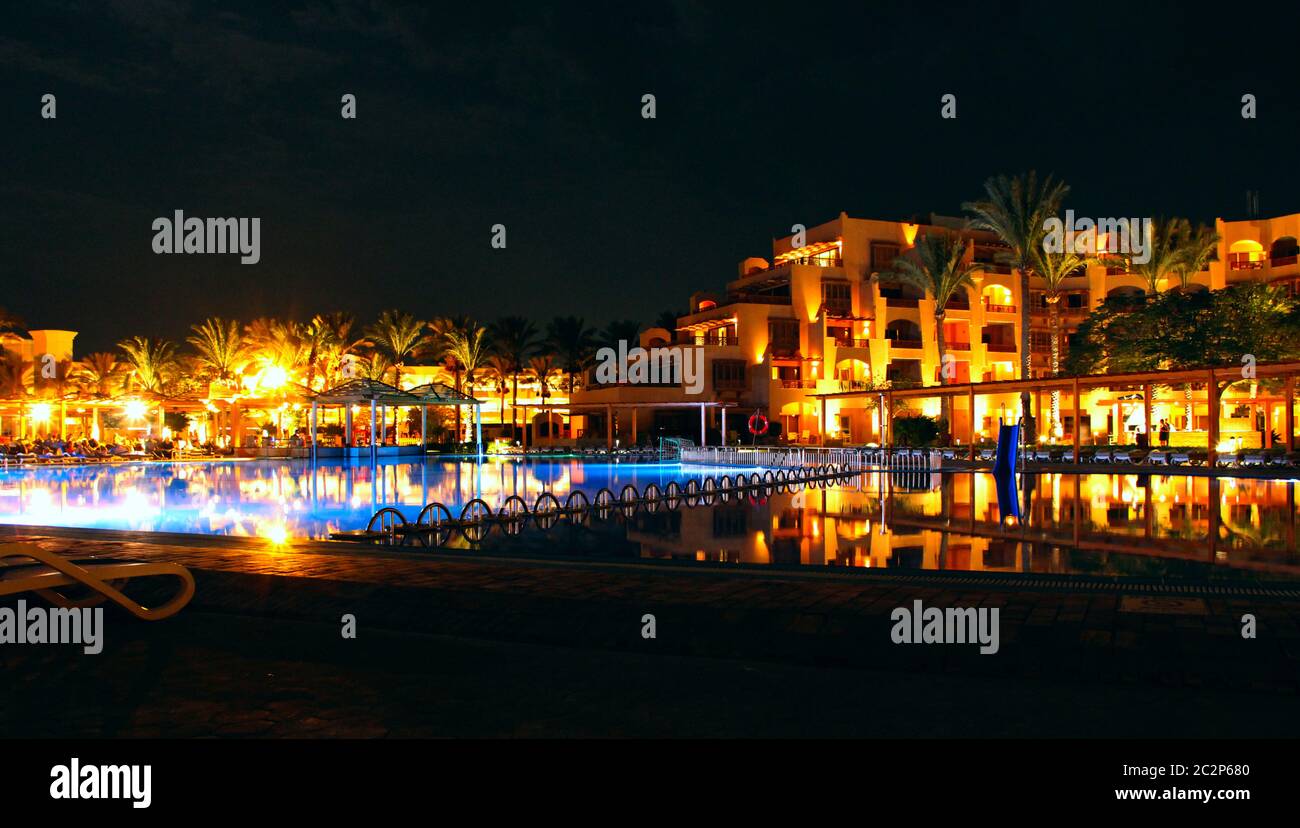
<point x="365" y="390"/>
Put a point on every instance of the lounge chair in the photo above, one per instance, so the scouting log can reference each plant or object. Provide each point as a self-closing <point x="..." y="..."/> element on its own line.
<point x="1158" y="457"/>
<point x="1121" y="455"/>
<point x="1252" y="459"/>
<point x="1102" y="455"/>
<point x="25" y="567"/>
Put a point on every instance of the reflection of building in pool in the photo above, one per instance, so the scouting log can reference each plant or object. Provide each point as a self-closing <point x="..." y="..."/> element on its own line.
<point x="1117" y="524"/>
<point x="808" y="334"/>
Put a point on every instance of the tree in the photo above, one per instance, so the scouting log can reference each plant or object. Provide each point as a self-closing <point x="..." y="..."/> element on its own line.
<point x="1054" y="269"/>
<point x="461" y="343"/>
<point x="621" y="330"/>
<point x="573" y="343"/>
<point x="1017" y="210"/>
<point x="1165" y="255"/>
<point x="99" y="373"/>
<point x="667" y="319"/>
<point x="151" y="362"/>
<point x="398" y="336"/>
<point x="499" y="371"/>
<point x="514" y="339"/>
<point x="220" y="347"/>
<point x="935" y="265"/>
<point x="339" y="343"/>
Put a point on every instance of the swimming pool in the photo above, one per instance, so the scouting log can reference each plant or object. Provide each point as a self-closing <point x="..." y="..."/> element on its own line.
<point x="282" y="499"/>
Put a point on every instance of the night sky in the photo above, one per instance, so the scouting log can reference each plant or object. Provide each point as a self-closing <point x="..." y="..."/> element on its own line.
<point x="486" y="113"/>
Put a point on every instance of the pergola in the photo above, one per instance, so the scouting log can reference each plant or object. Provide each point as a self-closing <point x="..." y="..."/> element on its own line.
<point x="1214" y="379"/>
<point x="381" y="396"/>
<point x="609" y="407"/>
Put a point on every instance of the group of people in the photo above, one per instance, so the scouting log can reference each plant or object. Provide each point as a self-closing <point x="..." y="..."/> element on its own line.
<point x="89" y="448"/>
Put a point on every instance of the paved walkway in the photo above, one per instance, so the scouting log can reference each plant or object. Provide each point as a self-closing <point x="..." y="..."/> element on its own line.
<point x="262" y="613"/>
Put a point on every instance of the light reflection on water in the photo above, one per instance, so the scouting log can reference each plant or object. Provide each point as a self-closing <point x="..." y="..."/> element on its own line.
<point x="1107" y="524"/>
<point x="281" y="499"/>
<point x="1115" y="525"/>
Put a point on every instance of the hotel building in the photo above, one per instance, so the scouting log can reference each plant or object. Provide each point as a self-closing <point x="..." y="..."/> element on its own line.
<point x="807" y="335"/>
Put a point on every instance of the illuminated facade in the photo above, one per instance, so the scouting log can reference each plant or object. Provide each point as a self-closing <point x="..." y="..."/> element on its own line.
<point x="806" y="335"/>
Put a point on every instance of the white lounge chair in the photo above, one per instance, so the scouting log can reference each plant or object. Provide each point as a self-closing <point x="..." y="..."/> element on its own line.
<point x="25" y="567"/>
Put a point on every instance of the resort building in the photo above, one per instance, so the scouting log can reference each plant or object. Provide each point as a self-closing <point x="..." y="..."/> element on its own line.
<point x="810" y="336"/>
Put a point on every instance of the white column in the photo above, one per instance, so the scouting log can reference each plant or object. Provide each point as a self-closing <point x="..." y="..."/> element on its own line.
<point x="703" y="433"/>
<point x="478" y="429"/>
<point x="724" y="425"/>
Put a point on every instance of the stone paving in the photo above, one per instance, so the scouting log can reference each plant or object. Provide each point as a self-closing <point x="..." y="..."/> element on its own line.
<point x="808" y="627"/>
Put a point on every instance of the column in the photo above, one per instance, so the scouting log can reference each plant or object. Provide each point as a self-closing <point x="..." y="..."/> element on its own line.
<point x="424" y="429"/>
<point x="703" y="434"/>
<point x="609" y="427"/>
<point x="724" y="425"/>
<point x="1078" y="417"/>
<point x="1146" y="412"/>
<point x="1212" y="409"/>
<point x="313" y="431"/>
<point x="634" y="426"/>
<point x="970" y="402"/>
<point x="478" y="429"/>
<point x="374" y="415"/>
<point x="1288" y="417"/>
<point x="347" y="426"/>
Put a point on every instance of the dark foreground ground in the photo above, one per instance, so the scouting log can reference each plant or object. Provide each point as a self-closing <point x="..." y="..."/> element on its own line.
<point x="450" y="646"/>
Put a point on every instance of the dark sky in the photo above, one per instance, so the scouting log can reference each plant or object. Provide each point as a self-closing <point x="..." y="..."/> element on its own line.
<point x="485" y="113"/>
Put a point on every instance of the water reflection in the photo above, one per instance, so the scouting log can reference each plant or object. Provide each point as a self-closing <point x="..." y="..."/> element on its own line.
<point x="1117" y="525"/>
<point x="282" y="499"/>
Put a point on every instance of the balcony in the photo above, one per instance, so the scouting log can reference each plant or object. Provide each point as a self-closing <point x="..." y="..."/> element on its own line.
<point x="848" y="342"/>
<point x="1000" y="347"/>
<point x="799" y="383"/>
<point x="914" y="344"/>
<point x="957" y="304"/>
<point x="957" y="346"/>
<point x="710" y="342"/>
<point x="901" y="302"/>
<point x="993" y="267"/>
<point x="1282" y="261"/>
<point x="990" y="307"/>
<point x="1246" y="261"/>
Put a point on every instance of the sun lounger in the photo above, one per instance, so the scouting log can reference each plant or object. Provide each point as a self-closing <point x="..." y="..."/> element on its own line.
<point x="28" y="568"/>
<point x="1252" y="460"/>
<point x="1103" y="455"/>
<point x="1121" y="456"/>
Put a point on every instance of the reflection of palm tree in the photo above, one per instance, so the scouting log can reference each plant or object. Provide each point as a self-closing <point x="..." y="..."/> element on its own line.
<point x="1017" y="209"/>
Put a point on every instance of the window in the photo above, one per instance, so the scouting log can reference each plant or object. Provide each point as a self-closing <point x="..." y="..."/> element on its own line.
<point x="837" y="295"/>
<point x="783" y="334"/>
<point x="729" y="373"/>
<point x="883" y="255"/>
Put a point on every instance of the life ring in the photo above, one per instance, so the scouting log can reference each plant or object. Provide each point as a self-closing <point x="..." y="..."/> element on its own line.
<point x="758" y="424"/>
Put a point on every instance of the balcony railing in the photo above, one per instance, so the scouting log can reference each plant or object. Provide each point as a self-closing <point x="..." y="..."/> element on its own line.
<point x="990" y="307"/>
<point x="907" y="343"/>
<point x="1001" y="347"/>
<point x="816" y="262"/>
<point x="957" y="304"/>
<point x="710" y="342"/>
<point x="757" y="299"/>
<point x="847" y="342"/>
<point x="957" y="346"/>
<point x="1283" y="261"/>
<point x="902" y="302"/>
<point x="798" y="383"/>
<point x="1245" y="261"/>
<point x="994" y="267"/>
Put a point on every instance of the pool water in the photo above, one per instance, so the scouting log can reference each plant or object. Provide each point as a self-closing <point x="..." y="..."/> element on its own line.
<point x="283" y="499"/>
<point x="1113" y="525"/>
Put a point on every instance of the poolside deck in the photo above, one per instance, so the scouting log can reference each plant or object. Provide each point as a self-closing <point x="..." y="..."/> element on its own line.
<point x="1051" y="630"/>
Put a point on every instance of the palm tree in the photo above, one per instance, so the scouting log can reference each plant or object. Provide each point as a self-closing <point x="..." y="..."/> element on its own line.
<point x="499" y="371"/>
<point x="936" y="266"/>
<point x="374" y="366"/>
<point x="667" y="319"/>
<point x="1165" y="253"/>
<point x="339" y="343"/>
<point x="572" y="342"/>
<point x="398" y="336"/>
<point x="317" y="337"/>
<point x="1017" y="209"/>
<point x="514" y="338"/>
<point x="275" y="343"/>
<point x="455" y="339"/>
<point x="620" y="330"/>
<point x="150" y="361"/>
<point x="99" y="373"/>
<point x="1198" y="248"/>
<point x="1054" y="269"/>
<point x="220" y="347"/>
<point x="469" y="348"/>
